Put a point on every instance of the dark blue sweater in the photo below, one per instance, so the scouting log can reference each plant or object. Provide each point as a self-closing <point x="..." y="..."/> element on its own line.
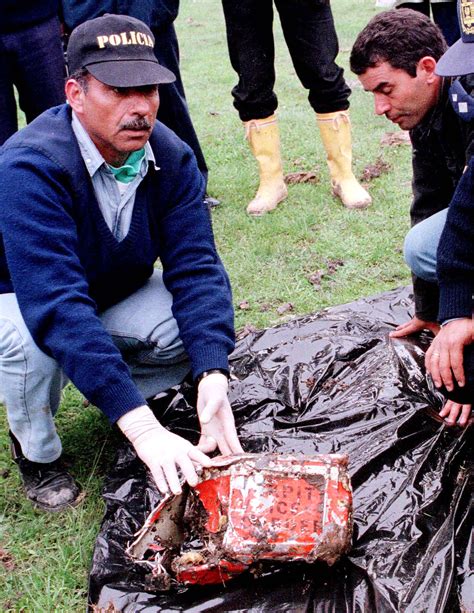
<point x="59" y="257"/>
<point x="455" y="258"/>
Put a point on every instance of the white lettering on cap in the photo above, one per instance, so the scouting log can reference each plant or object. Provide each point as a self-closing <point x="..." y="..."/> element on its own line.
<point x="125" y="38"/>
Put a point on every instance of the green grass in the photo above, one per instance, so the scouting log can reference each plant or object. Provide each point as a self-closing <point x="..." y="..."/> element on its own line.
<point x="44" y="559"/>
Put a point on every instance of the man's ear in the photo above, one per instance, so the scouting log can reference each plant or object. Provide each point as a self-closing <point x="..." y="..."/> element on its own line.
<point x="426" y="67"/>
<point x="75" y="95"/>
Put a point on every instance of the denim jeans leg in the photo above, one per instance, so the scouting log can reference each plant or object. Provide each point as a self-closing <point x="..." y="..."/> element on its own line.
<point x="30" y="386"/>
<point x="145" y="331"/>
<point x="421" y="246"/>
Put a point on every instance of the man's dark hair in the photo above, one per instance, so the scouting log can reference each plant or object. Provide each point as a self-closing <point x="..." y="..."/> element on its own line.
<point x="81" y="76"/>
<point x="400" y="37"/>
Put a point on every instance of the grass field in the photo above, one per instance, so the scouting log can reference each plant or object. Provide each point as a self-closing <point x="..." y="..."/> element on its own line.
<point x="44" y="559"/>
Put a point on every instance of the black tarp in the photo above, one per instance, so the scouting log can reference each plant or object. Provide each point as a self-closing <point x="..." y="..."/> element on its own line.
<point x="329" y="382"/>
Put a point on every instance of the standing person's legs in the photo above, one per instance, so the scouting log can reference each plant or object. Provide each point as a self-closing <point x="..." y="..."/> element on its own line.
<point x="39" y="68"/>
<point x="173" y="110"/>
<point x="249" y="26"/>
<point x="310" y="34"/>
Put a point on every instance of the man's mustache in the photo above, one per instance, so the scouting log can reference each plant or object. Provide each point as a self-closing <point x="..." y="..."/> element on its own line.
<point x="140" y="123"/>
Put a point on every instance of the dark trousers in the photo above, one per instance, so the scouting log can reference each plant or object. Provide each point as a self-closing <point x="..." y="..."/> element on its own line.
<point x="310" y="35"/>
<point x="173" y="110"/>
<point x="32" y="60"/>
<point x="445" y="16"/>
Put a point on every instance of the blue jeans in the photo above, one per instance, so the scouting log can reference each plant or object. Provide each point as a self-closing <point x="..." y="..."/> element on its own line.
<point x="421" y="246"/>
<point x="142" y="327"/>
<point x="32" y="60"/>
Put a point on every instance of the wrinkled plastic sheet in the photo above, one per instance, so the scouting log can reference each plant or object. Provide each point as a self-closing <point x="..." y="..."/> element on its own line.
<point x="324" y="383"/>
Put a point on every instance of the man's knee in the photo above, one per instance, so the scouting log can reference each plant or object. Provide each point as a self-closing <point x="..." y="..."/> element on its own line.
<point x="18" y="352"/>
<point x="412" y="249"/>
<point x="420" y="253"/>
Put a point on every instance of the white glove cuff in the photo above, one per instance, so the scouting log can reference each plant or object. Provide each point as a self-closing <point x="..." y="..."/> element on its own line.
<point x="138" y="422"/>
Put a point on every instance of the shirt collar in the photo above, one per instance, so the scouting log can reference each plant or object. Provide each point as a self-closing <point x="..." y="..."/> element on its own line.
<point x="90" y="154"/>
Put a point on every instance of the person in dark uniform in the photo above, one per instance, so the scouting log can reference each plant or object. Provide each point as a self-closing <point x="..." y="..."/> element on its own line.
<point x="395" y="57"/>
<point x="439" y="249"/>
<point x="443" y="12"/>
<point x="31" y="59"/>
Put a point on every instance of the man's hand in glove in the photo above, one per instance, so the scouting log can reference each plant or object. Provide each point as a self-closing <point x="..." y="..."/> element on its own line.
<point x="161" y="450"/>
<point x="215" y="415"/>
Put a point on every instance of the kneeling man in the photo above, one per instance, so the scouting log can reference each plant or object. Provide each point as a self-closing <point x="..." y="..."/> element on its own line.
<point x="92" y="194"/>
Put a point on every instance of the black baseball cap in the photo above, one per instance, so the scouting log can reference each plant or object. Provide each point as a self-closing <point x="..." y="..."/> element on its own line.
<point x="459" y="58"/>
<point x="118" y="51"/>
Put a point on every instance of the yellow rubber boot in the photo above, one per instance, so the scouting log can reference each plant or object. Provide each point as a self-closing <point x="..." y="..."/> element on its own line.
<point x="264" y="141"/>
<point x="335" y="131"/>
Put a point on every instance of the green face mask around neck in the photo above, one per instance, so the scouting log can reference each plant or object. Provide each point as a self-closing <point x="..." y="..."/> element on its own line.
<point x="127" y="172"/>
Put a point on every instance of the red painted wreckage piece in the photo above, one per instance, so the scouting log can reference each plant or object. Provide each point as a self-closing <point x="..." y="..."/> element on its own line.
<point x="245" y="509"/>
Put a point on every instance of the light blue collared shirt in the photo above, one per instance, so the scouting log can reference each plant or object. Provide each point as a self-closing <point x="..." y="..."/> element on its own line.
<point x="116" y="200"/>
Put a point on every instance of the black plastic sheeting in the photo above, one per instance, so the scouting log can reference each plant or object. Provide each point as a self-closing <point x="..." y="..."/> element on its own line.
<point x="329" y="382"/>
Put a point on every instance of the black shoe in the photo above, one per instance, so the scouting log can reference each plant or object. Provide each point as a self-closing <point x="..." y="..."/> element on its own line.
<point x="49" y="486"/>
<point x="210" y="201"/>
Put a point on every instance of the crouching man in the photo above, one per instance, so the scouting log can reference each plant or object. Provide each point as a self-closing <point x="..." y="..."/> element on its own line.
<point x="92" y="194"/>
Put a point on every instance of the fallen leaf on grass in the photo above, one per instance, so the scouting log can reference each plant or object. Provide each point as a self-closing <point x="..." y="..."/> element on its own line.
<point x="372" y="171"/>
<point x="394" y="139"/>
<point x="6" y="560"/>
<point x="244" y="305"/>
<point x="284" y="308"/>
<point x="315" y="278"/>
<point x="301" y="177"/>
<point x="333" y="265"/>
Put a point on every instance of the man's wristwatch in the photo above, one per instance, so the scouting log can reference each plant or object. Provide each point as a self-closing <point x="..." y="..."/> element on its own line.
<point x="206" y="373"/>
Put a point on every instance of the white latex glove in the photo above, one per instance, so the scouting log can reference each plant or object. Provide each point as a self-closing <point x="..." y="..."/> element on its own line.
<point x="161" y="450"/>
<point x="216" y="417"/>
